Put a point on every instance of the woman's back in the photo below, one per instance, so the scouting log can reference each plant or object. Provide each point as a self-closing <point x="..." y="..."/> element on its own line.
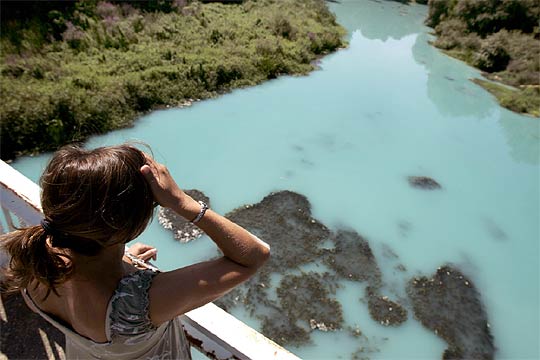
<point x="81" y="302"/>
<point x="125" y="325"/>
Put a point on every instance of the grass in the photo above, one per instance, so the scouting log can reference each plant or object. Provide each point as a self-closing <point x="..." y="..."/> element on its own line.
<point x="114" y="62"/>
<point x="525" y="101"/>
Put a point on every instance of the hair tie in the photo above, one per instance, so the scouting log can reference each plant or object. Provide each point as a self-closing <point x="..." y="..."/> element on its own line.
<point x="49" y="228"/>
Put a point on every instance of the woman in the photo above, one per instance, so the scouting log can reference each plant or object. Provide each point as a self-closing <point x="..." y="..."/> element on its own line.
<point x="72" y="269"/>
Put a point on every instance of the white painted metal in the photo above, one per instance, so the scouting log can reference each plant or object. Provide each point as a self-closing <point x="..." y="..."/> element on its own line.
<point x="19" y="195"/>
<point x="213" y="331"/>
<point x="228" y="334"/>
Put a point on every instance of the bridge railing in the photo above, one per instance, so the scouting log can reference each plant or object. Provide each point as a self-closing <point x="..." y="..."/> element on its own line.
<point x="211" y="330"/>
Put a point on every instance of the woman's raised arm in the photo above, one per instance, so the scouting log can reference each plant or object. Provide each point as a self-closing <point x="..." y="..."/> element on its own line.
<point x="176" y="292"/>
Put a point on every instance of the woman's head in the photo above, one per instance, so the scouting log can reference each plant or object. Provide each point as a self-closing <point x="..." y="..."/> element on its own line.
<point x="91" y="200"/>
<point x="96" y="196"/>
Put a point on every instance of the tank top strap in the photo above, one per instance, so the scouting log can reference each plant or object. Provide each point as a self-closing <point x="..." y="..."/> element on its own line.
<point x="67" y="330"/>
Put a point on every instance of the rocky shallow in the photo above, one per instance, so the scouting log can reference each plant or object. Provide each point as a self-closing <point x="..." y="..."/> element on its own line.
<point x="291" y="302"/>
<point x="305" y="302"/>
<point x="449" y="305"/>
<point x="423" y="182"/>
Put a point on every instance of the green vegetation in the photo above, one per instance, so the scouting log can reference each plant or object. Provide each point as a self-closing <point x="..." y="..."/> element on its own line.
<point x="502" y="38"/>
<point x="90" y="67"/>
<point x="523" y="101"/>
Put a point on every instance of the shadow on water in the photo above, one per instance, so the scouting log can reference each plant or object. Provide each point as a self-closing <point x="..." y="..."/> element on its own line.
<point x="449" y="90"/>
<point x="522" y="136"/>
<point x="464" y="98"/>
<point x="376" y="20"/>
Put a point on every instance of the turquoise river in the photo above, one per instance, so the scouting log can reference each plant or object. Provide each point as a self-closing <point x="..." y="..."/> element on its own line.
<point x="347" y="136"/>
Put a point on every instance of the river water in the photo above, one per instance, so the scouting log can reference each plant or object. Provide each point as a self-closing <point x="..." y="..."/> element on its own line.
<point x="347" y="136"/>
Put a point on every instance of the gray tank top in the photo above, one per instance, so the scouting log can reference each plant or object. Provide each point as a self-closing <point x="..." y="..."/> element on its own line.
<point x="130" y="333"/>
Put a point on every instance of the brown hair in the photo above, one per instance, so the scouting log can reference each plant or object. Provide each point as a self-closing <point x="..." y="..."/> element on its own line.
<point x="91" y="199"/>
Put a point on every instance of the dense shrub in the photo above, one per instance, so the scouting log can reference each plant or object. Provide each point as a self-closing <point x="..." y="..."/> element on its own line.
<point x="450" y="33"/>
<point x="324" y="43"/>
<point x="437" y="11"/>
<point x="493" y="55"/>
<point x="485" y="17"/>
<point x="500" y="37"/>
<point x="106" y="62"/>
<point x="281" y="26"/>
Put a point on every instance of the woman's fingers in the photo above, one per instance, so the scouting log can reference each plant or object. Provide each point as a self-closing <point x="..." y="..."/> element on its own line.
<point x="143" y="251"/>
<point x="148" y="174"/>
<point x="149" y="254"/>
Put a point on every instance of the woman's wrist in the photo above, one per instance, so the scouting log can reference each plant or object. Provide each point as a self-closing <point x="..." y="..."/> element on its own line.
<point x="187" y="207"/>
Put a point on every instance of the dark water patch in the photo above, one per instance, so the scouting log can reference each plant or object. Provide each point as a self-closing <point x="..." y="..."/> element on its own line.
<point x="400" y="268"/>
<point x="388" y="253"/>
<point x="423" y="182"/>
<point x="449" y="304"/>
<point x="392" y="259"/>
<point x="288" y="174"/>
<point x="307" y="163"/>
<point x="404" y="228"/>
<point x="368" y="346"/>
<point x="283" y="219"/>
<point x="327" y="141"/>
<point x="494" y="230"/>
<point x="366" y="351"/>
<point x="373" y="115"/>
<point x="182" y="229"/>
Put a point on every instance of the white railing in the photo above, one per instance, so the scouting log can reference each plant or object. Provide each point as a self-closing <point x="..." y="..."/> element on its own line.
<point x="210" y="329"/>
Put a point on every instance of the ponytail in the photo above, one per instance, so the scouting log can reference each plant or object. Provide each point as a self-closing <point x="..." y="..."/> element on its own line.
<point x="31" y="258"/>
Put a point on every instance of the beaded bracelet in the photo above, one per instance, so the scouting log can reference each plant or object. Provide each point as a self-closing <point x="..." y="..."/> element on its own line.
<point x="204" y="207"/>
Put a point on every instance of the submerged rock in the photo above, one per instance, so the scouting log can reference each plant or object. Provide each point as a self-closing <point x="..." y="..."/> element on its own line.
<point x="277" y="326"/>
<point x="306" y="298"/>
<point x="385" y="311"/>
<point x="182" y="229"/>
<point x="353" y="259"/>
<point x="450" y="305"/>
<point x="283" y="219"/>
<point x="423" y="182"/>
<point x="303" y="303"/>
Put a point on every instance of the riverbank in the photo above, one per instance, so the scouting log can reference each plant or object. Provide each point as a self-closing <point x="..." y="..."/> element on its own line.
<point x="93" y="69"/>
<point x="500" y="38"/>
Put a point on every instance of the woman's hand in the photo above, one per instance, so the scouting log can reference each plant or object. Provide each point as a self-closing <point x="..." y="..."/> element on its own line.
<point x="165" y="190"/>
<point x="143" y="251"/>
